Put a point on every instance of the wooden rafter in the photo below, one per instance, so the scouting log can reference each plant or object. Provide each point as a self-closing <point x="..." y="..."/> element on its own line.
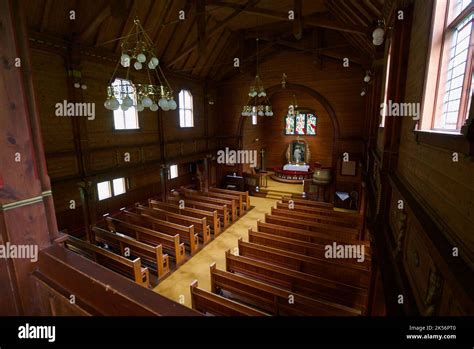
<point x="201" y="25"/>
<point x="221" y="43"/>
<point x="213" y="32"/>
<point x="211" y="46"/>
<point x="45" y="16"/>
<point x="315" y="21"/>
<point x="298" y="21"/>
<point x="94" y="25"/>
<point x="127" y="25"/>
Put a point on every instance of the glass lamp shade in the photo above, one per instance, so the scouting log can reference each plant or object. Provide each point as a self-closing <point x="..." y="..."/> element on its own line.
<point x="141" y="58"/>
<point x="114" y="103"/>
<point x="151" y="65"/>
<point x="138" y="66"/>
<point x="163" y="103"/>
<point x="125" y="60"/>
<point x="127" y="101"/>
<point x="124" y="107"/>
<point x="154" y="61"/>
<point x="140" y="107"/>
<point x="367" y="78"/>
<point x="154" y="107"/>
<point x="147" y="102"/>
<point x="172" y="104"/>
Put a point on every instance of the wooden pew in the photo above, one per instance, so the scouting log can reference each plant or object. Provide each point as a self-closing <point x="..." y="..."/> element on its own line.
<point x="244" y="195"/>
<point x="309" y="236"/>
<point x="186" y="234"/>
<point x="315" y="217"/>
<point x="235" y="198"/>
<point x="230" y="204"/>
<point x="151" y="255"/>
<point x="307" y="202"/>
<point x="271" y="299"/>
<point x="210" y="303"/>
<point x="132" y="269"/>
<point x="301" y="247"/>
<point x="298" y="282"/>
<point x="200" y="224"/>
<point x="357" y="275"/>
<point x="221" y="209"/>
<point x="324" y="212"/>
<point x="335" y="232"/>
<point x="171" y="244"/>
<point x="211" y="216"/>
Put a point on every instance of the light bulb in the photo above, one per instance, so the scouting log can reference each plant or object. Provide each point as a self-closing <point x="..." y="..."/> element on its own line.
<point x="141" y="58"/>
<point x="138" y="65"/>
<point x="140" y="107"/>
<point x="267" y="113"/>
<point x="154" y="61"/>
<point x="260" y="113"/>
<point x="367" y="78"/>
<point x="263" y="93"/>
<point x="107" y="104"/>
<point x="114" y="103"/>
<point x="172" y="104"/>
<point x="151" y="66"/>
<point x="154" y="107"/>
<point x="147" y="102"/>
<point x="84" y="87"/>
<point x="271" y="113"/>
<point x="166" y="106"/>
<point x="362" y="93"/>
<point x="124" y="107"/>
<point x="127" y="101"/>
<point x="163" y="103"/>
<point x="77" y="85"/>
<point x="125" y="60"/>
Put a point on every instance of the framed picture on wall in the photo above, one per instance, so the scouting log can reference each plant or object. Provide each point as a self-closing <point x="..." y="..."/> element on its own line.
<point x="349" y="168"/>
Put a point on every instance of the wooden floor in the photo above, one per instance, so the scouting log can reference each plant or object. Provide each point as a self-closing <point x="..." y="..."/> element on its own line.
<point x="177" y="285"/>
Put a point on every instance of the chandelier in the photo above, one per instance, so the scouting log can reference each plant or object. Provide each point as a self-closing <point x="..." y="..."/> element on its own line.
<point x="137" y="48"/>
<point x="258" y="102"/>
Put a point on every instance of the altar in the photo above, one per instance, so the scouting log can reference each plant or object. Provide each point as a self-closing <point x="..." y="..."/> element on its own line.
<point x="296" y="167"/>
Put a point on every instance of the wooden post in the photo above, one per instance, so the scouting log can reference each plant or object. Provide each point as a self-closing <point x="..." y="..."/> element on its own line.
<point x="27" y="217"/>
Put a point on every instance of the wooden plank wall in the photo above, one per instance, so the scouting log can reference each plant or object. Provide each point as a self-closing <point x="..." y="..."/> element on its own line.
<point x="446" y="187"/>
<point x="103" y="147"/>
<point x="340" y="86"/>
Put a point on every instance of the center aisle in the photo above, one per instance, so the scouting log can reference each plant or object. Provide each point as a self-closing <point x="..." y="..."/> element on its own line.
<point x="197" y="268"/>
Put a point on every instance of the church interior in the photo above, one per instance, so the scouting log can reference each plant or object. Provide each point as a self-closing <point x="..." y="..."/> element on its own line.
<point x="236" y="158"/>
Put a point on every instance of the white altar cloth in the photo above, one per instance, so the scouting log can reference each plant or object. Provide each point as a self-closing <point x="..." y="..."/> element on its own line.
<point x="293" y="167"/>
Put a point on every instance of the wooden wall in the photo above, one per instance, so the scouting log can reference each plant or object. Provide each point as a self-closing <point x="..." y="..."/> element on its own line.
<point x="446" y="188"/>
<point x="340" y="86"/>
<point x="103" y="148"/>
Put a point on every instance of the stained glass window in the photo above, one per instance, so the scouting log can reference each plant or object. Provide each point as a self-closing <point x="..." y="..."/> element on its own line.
<point x="302" y="123"/>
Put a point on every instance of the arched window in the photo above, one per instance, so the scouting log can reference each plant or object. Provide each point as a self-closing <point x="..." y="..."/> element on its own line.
<point x="301" y="122"/>
<point x="125" y="119"/>
<point x="186" y="115"/>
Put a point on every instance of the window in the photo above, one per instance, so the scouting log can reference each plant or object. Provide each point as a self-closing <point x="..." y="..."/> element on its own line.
<point x="186" y="117"/>
<point x="450" y="67"/>
<point x="173" y="171"/>
<point x="125" y="120"/>
<point x="107" y="189"/>
<point x="254" y="115"/>
<point x="103" y="190"/>
<point x="303" y="122"/>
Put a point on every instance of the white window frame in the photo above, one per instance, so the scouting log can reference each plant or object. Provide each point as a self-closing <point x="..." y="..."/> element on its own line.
<point x="185" y="122"/>
<point x="173" y="173"/>
<point x="121" y="115"/>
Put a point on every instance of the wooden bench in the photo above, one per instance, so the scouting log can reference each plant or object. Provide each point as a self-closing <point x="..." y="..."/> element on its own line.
<point x="210" y="303"/>
<point x="171" y="244"/>
<point x="272" y="299"/>
<point x="229" y="203"/>
<point x="357" y="275"/>
<point x="244" y="195"/>
<point x="211" y="216"/>
<point x="315" y="217"/>
<point x="132" y="269"/>
<point x="301" y="247"/>
<point x="298" y="282"/>
<point x="150" y="255"/>
<point x="352" y="218"/>
<point x="335" y="232"/>
<point x="309" y="236"/>
<point x="200" y="224"/>
<point x="236" y="198"/>
<point x="186" y="234"/>
<point x="221" y="209"/>
<point x="308" y="202"/>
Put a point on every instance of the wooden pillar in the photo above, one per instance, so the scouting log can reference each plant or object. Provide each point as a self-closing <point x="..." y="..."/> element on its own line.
<point x="164" y="182"/>
<point x="27" y="217"/>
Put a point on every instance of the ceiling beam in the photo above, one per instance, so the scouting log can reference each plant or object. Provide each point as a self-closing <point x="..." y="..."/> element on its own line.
<point x="94" y="25"/>
<point x="213" y="32"/>
<point x="298" y="21"/>
<point x="314" y="21"/>
<point x="201" y="25"/>
<point x="45" y="16"/>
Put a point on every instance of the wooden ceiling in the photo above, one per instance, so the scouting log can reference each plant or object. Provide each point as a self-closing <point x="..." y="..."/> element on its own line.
<point x="215" y="31"/>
